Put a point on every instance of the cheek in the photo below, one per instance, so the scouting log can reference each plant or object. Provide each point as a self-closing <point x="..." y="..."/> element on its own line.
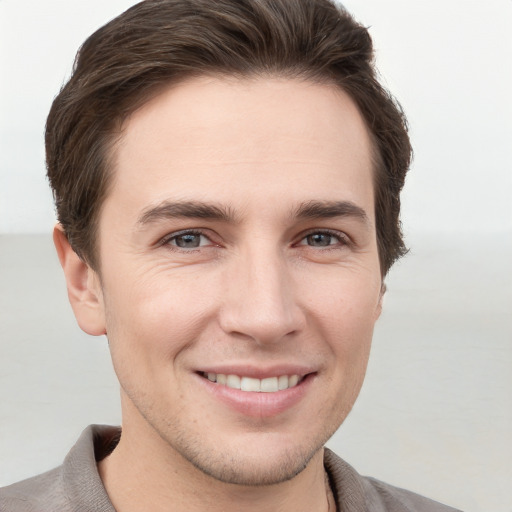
<point x="343" y="313"/>
<point x="153" y="319"/>
<point x="344" y="301"/>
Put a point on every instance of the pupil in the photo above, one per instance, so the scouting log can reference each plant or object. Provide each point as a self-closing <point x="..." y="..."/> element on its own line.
<point x="319" y="240"/>
<point x="187" y="241"/>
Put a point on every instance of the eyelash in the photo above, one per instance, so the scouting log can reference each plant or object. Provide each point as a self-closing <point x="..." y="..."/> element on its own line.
<point x="342" y="239"/>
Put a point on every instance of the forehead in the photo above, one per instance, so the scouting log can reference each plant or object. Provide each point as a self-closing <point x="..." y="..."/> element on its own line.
<point x="227" y="139"/>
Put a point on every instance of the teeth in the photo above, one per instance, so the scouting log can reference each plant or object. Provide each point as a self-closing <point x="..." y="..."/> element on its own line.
<point x="268" y="385"/>
<point x="249" y="384"/>
<point x="233" y="381"/>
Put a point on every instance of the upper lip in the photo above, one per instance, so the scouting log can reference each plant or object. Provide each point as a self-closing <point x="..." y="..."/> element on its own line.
<point x="258" y="372"/>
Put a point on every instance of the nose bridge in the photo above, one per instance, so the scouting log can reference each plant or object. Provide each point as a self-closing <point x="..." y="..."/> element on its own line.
<point x="260" y="302"/>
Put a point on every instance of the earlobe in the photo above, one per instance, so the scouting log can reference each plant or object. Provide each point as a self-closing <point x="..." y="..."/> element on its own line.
<point x="84" y="290"/>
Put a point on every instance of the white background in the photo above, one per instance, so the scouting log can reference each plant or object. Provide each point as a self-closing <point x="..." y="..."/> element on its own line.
<point x="435" y="414"/>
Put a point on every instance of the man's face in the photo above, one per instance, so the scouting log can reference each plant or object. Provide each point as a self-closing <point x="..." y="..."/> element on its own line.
<point x="238" y="248"/>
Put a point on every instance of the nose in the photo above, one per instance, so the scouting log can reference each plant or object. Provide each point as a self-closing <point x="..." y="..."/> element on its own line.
<point x="260" y="302"/>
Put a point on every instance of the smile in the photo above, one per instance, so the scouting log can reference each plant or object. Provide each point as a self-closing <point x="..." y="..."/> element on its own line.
<point x="267" y="385"/>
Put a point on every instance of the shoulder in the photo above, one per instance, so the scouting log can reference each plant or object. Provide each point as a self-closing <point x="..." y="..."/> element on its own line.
<point x="42" y="492"/>
<point x="402" y="500"/>
<point x="371" y="495"/>
<point x="73" y="486"/>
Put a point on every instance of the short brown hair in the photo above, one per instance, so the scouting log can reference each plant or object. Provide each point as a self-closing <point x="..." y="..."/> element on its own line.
<point x="157" y="42"/>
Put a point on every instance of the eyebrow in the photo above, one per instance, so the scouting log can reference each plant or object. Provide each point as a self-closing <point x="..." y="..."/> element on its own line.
<point x="186" y="209"/>
<point x="200" y="210"/>
<point x="330" y="209"/>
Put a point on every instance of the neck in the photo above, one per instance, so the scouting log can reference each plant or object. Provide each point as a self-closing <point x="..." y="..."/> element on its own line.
<point x="150" y="468"/>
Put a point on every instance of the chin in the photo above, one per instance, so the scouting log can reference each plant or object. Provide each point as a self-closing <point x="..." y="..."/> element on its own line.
<point x="260" y="469"/>
<point x="258" y="459"/>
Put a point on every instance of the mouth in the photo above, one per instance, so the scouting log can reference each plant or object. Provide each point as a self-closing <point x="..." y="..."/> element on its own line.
<point x="254" y="385"/>
<point x="258" y="393"/>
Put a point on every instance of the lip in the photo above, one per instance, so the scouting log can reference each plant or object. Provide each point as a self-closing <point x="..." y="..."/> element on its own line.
<point x="255" y="404"/>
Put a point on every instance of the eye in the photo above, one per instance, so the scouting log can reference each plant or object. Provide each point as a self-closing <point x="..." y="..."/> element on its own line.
<point x="188" y="240"/>
<point x="324" y="239"/>
<point x="320" y="239"/>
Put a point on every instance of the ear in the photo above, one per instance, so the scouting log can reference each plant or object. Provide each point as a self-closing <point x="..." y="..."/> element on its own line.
<point x="83" y="283"/>
<point x="378" y="309"/>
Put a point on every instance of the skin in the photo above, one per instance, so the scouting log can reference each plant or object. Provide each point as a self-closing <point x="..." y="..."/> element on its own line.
<point x="259" y="288"/>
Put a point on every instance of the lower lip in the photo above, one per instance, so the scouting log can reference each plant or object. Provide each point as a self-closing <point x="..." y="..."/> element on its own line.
<point x="259" y="404"/>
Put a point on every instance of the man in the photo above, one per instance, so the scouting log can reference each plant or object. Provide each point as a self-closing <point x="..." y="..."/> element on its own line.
<point x="227" y="178"/>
